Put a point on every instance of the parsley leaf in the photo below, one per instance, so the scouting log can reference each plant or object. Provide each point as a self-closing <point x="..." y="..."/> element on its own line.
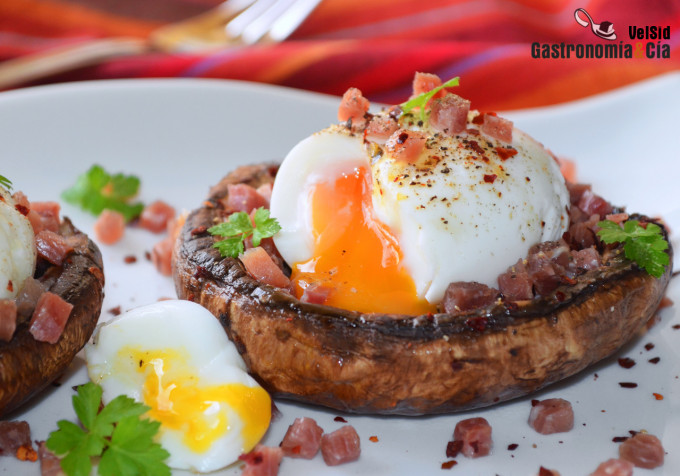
<point x="644" y="245"/>
<point x="5" y="183"/>
<point x="96" y="190"/>
<point x="239" y="227"/>
<point x="116" y="433"/>
<point x="421" y="100"/>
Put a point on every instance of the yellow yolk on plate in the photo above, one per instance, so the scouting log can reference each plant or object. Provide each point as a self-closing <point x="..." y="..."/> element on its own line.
<point x="180" y="402"/>
<point x="355" y="254"/>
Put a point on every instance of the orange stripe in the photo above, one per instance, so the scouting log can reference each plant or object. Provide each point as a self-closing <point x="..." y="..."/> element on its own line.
<point x="281" y="70"/>
<point x="45" y="16"/>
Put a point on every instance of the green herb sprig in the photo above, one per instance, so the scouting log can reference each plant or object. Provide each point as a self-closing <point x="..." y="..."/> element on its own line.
<point x="421" y="100"/>
<point x="239" y="227"/>
<point x="644" y="245"/>
<point x="117" y="434"/>
<point x="5" y="183"/>
<point x="96" y="190"/>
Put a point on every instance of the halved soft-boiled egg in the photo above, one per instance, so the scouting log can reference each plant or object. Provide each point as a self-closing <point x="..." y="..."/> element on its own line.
<point x="174" y="357"/>
<point x="386" y="229"/>
<point x="17" y="247"/>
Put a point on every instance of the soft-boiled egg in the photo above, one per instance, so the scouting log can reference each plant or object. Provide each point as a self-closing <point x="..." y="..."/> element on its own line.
<point x="175" y="357"/>
<point x="17" y="247"/>
<point x="385" y="234"/>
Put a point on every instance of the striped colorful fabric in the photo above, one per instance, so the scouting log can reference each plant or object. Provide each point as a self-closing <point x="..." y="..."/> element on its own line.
<point x="377" y="45"/>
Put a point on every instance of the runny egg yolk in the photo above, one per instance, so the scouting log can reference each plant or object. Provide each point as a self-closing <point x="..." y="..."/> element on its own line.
<point x="355" y="255"/>
<point x="180" y="402"/>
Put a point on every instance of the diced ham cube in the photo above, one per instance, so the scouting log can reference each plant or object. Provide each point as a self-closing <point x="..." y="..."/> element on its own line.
<point x="449" y="114"/>
<point x="260" y="266"/>
<point x="643" y="450"/>
<point x="262" y="461"/>
<point x="614" y="467"/>
<point x="463" y="296"/>
<point x="592" y="204"/>
<point x="49" y="318"/>
<point x="587" y="258"/>
<point x="554" y="415"/>
<point x="161" y="255"/>
<point x="567" y="168"/>
<point x="265" y="190"/>
<point x="302" y="439"/>
<point x="44" y="216"/>
<point x="497" y="127"/>
<point x="8" y="319"/>
<point x="341" y="446"/>
<point x="426" y="82"/>
<point x="28" y="296"/>
<point x="406" y="145"/>
<point x="316" y="293"/>
<point x="354" y="106"/>
<point x="380" y="129"/>
<point x="475" y="433"/>
<point x="155" y="216"/>
<point x="243" y="198"/>
<point x="52" y="247"/>
<point x="109" y="227"/>
<point x="515" y="283"/>
<point x="50" y="464"/>
<point x="13" y="435"/>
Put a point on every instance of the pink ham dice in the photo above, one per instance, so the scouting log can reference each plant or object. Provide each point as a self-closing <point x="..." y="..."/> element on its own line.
<point x="643" y="450"/>
<point x="109" y="227"/>
<point x="244" y="198"/>
<point x="341" y="446"/>
<point x="49" y="318"/>
<point x="553" y="415"/>
<point x="155" y="216"/>
<point x="614" y="467"/>
<point x="260" y="266"/>
<point x="302" y="439"/>
<point x="475" y="433"/>
<point x="449" y="114"/>
<point x="52" y="247"/>
<point x="8" y="319"/>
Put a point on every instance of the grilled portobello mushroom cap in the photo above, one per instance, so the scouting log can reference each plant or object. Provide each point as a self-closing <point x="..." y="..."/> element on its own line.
<point x="409" y="365"/>
<point x="27" y="366"/>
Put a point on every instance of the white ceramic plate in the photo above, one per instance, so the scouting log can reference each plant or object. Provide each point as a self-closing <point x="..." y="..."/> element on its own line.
<point x="181" y="136"/>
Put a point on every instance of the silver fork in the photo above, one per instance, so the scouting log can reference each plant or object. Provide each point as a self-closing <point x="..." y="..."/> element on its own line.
<point x="233" y="22"/>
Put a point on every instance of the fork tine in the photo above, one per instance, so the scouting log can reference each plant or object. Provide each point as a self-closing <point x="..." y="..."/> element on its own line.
<point x="260" y="26"/>
<point x="288" y="22"/>
<point x="237" y="25"/>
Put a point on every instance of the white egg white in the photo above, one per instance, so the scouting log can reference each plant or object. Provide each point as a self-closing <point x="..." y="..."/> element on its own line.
<point x="452" y="224"/>
<point x="17" y="248"/>
<point x="190" y="331"/>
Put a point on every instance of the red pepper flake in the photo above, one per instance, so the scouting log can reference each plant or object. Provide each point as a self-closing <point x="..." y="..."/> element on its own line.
<point x="535" y="402"/>
<point x="628" y="384"/>
<point x="620" y="439"/>
<point x="129" y="259"/>
<point x="147" y="255"/>
<point x="296" y="449"/>
<point x="512" y="446"/>
<point x="26" y="453"/>
<point x="339" y="419"/>
<point x="506" y="152"/>
<point x="115" y="311"/>
<point x="10" y="286"/>
<point x="676" y="326"/>
<point x="22" y="209"/>
<point x="658" y="396"/>
<point x="374" y="439"/>
<point x="649" y="346"/>
<point x="626" y="362"/>
<point x="477" y="323"/>
<point x="545" y="472"/>
<point x="475" y="147"/>
<point x="654" y="360"/>
<point x="490" y="178"/>
<point x="453" y="448"/>
<point x="199" y="230"/>
<point x="449" y="464"/>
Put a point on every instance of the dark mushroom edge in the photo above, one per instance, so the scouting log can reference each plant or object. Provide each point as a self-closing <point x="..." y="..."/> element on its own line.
<point x="409" y="365"/>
